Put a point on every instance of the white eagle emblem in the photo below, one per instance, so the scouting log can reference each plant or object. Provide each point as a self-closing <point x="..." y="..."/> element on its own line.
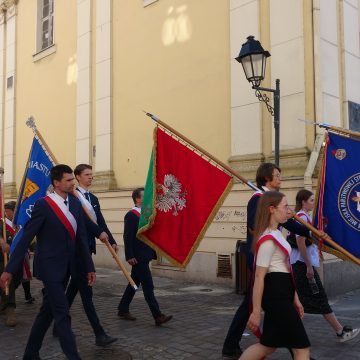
<point x="169" y="196"/>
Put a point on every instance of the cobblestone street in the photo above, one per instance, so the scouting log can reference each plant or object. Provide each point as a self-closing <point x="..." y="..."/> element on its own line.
<point x="202" y="314"/>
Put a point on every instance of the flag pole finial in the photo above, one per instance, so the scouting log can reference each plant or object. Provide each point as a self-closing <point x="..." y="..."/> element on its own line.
<point x="30" y="122"/>
<point x="155" y="118"/>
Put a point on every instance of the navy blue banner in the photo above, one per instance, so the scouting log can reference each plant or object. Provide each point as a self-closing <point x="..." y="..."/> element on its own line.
<point x="36" y="182"/>
<point x="338" y="206"/>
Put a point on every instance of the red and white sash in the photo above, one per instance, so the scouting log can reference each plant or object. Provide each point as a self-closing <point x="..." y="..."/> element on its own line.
<point x="9" y="227"/>
<point x="85" y="203"/>
<point x="279" y="240"/>
<point x="63" y="214"/>
<point x="257" y="193"/>
<point x="137" y="211"/>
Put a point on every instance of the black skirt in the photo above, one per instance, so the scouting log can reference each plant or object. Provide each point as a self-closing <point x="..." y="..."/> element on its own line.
<point x="282" y="325"/>
<point x="312" y="303"/>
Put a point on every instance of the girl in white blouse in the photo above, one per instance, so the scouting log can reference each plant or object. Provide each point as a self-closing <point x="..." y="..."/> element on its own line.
<point x="274" y="289"/>
<point x="305" y="260"/>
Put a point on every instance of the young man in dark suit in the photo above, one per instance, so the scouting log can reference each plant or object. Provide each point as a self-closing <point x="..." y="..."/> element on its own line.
<point x="138" y="255"/>
<point x="78" y="283"/>
<point x="57" y="221"/>
<point x="268" y="178"/>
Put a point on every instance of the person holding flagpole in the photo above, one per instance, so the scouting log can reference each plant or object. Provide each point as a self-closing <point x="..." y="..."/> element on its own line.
<point x="26" y="278"/>
<point x="8" y="301"/>
<point x="79" y="283"/>
<point x="305" y="259"/>
<point x="138" y="255"/>
<point x="57" y="221"/>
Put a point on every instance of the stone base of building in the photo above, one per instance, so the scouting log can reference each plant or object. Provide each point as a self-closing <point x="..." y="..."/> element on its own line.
<point x="10" y="190"/>
<point x="103" y="181"/>
<point x="340" y="276"/>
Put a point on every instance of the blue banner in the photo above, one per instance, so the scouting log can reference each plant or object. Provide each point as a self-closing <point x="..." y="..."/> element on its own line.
<point x="35" y="184"/>
<point x="338" y="206"/>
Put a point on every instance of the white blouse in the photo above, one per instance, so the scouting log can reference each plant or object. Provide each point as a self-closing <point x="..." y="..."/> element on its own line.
<point x="312" y="250"/>
<point x="270" y="255"/>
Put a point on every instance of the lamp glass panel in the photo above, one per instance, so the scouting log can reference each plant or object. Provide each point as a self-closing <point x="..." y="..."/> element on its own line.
<point x="264" y="66"/>
<point x="246" y="63"/>
<point x="257" y="60"/>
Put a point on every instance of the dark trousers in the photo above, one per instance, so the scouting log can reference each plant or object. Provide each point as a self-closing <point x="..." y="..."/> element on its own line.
<point x="141" y="274"/>
<point x="238" y="325"/>
<point x="27" y="291"/>
<point x="80" y="284"/>
<point x="54" y="306"/>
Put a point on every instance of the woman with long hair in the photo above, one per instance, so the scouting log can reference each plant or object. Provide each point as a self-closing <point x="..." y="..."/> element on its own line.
<point x="274" y="290"/>
<point x="304" y="260"/>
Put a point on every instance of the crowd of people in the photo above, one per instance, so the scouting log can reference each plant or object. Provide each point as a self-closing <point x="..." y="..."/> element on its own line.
<point x="284" y="281"/>
<point x="64" y="225"/>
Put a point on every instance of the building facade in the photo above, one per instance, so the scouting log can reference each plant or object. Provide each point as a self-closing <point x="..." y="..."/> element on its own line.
<point x="86" y="70"/>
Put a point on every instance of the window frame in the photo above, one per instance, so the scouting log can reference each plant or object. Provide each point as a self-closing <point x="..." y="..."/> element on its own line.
<point x="40" y="45"/>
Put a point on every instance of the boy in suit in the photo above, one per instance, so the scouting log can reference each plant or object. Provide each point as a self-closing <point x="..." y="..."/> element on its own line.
<point x="138" y="255"/>
<point x="78" y="283"/>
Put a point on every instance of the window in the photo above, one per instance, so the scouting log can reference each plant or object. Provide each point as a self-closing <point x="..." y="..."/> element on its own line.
<point x="354" y="116"/>
<point x="45" y="35"/>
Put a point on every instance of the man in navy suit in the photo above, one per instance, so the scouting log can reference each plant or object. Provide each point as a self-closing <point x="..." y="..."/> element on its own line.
<point x="57" y="221"/>
<point x="138" y="255"/>
<point x="268" y="178"/>
<point x="78" y="283"/>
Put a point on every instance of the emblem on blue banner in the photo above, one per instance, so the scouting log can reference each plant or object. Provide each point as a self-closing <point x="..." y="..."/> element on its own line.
<point x="338" y="205"/>
<point x="349" y="201"/>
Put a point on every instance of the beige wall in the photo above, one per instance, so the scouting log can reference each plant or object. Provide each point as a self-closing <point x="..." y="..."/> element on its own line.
<point x="46" y="88"/>
<point x="170" y="58"/>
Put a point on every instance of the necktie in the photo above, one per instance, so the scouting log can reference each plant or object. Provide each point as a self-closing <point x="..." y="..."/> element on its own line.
<point x="87" y="196"/>
<point x="65" y="202"/>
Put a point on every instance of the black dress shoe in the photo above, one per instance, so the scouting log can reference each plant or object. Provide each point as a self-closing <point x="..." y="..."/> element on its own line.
<point x="235" y="354"/>
<point x="34" y="356"/>
<point x="104" y="340"/>
<point x="126" y="316"/>
<point x="162" y="319"/>
<point x="30" y="300"/>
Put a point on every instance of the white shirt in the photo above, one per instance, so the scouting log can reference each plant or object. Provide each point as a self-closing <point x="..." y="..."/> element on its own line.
<point x="312" y="250"/>
<point x="271" y="256"/>
<point x="83" y="191"/>
<point x="61" y="199"/>
<point x="138" y="209"/>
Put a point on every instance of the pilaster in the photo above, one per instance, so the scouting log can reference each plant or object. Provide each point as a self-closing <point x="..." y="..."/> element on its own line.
<point x="104" y="175"/>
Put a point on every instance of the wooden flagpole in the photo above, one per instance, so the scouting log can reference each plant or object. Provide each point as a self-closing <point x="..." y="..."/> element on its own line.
<point x="315" y="231"/>
<point x="110" y="248"/>
<point x="31" y="124"/>
<point x="3" y="222"/>
<point x="339" y="130"/>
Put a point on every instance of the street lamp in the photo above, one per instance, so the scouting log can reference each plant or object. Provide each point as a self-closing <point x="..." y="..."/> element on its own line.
<point x="253" y="57"/>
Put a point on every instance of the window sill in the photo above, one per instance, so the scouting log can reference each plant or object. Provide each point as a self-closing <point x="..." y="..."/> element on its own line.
<point x="148" y="2"/>
<point x="44" y="53"/>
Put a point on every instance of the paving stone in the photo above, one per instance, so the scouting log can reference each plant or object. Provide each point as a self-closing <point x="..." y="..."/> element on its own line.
<point x="197" y="331"/>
